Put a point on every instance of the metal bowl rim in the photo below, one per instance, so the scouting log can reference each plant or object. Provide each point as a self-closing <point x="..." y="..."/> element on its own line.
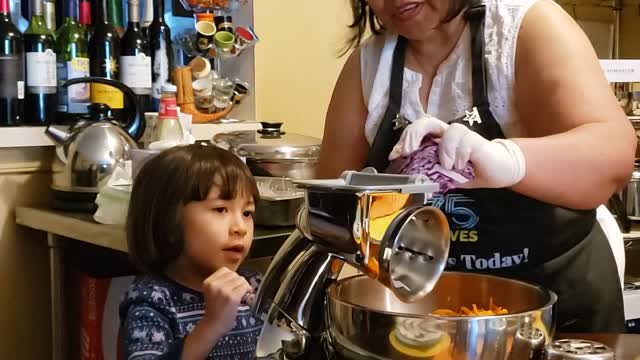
<point x="553" y="298"/>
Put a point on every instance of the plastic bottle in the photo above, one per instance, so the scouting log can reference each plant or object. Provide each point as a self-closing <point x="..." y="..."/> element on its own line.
<point x="167" y="131"/>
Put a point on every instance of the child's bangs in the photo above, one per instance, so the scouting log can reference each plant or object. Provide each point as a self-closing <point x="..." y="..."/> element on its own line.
<point x="234" y="182"/>
<point x="226" y="172"/>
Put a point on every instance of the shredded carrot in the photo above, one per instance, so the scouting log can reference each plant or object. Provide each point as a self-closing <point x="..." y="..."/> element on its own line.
<point x="474" y="311"/>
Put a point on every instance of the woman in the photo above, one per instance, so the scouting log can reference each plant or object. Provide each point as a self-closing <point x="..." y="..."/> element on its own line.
<point x="514" y="87"/>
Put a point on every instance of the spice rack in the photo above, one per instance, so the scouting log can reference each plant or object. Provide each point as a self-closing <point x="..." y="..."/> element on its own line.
<point x="205" y="90"/>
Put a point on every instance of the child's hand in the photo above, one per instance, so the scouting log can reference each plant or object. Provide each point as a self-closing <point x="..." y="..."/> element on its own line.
<point x="223" y="292"/>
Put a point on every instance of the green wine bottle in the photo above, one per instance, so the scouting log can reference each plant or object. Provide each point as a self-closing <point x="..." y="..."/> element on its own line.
<point x="114" y="12"/>
<point x="40" y="100"/>
<point x="104" y="55"/>
<point x="72" y="62"/>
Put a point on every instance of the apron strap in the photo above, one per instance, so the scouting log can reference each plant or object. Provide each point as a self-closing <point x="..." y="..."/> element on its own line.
<point x="387" y="135"/>
<point x="475" y="16"/>
<point x="487" y="126"/>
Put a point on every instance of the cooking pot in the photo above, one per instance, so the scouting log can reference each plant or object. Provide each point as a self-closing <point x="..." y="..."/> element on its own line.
<point x="366" y="321"/>
<point x="630" y="194"/>
<point x="271" y="152"/>
<point x="635" y="121"/>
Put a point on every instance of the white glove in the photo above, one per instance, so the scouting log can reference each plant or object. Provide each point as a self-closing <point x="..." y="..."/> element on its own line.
<point x="413" y="134"/>
<point x="497" y="164"/>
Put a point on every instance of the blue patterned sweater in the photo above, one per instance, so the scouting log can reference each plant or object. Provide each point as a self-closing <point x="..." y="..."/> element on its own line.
<point x="157" y="313"/>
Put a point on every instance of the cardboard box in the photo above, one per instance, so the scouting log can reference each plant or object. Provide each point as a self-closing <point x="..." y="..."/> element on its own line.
<point x="99" y="321"/>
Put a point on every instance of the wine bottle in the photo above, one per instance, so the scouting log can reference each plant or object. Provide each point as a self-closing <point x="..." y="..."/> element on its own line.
<point x="11" y="69"/>
<point x="73" y="62"/>
<point x="104" y="60"/>
<point x="162" y="57"/>
<point x="85" y="18"/>
<point x="50" y="15"/>
<point x="135" y="60"/>
<point x="114" y="8"/>
<point x="148" y="17"/>
<point x="40" y="99"/>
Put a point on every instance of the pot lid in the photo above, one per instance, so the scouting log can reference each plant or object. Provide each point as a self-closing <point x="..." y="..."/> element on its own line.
<point x="269" y="143"/>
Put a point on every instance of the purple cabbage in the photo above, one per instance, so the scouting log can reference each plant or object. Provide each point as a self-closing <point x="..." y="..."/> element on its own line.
<point x="425" y="161"/>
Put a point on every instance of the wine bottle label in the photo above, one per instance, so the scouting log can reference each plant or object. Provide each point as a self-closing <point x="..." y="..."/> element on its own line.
<point x="20" y="87"/>
<point x="105" y="94"/>
<point x="75" y="98"/>
<point x="135" y="72"/>
<point x="41" y="72"/>
<point x="11" y="73"/>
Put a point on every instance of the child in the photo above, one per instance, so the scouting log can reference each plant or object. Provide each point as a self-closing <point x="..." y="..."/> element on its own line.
<point x="189" y="227"/>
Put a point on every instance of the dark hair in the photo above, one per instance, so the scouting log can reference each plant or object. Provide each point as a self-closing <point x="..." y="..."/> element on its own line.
<point x="167" y="182"/>
<point x="363" y="16"/>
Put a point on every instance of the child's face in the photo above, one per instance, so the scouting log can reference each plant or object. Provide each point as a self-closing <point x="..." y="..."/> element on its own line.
<point x="217" y="233"/>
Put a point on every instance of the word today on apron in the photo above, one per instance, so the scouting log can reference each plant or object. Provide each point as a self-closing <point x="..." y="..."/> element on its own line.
<point x="496" y="261"/>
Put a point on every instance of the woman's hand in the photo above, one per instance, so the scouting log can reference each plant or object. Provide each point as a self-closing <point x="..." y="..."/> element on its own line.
<point x="413" y="134"/>
<point x="497" y="164"/>
<point x="223" y="292"/>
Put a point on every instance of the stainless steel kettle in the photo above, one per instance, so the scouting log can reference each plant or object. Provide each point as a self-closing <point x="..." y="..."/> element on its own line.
<point x="88" y="152"/>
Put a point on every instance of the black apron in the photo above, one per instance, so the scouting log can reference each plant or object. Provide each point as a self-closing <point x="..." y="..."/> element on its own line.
<point x="501" y="232"/>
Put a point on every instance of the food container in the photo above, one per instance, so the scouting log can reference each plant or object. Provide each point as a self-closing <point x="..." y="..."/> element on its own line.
<point x="366" y="321"/>
<point x="280" y="201"/>
<point x="273" y="152"/>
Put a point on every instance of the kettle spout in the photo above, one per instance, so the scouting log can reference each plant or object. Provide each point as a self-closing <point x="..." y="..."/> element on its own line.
<point x="57" y="135"/>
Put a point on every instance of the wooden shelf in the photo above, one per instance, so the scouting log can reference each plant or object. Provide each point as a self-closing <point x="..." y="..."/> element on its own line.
<point x="82" y="227"/>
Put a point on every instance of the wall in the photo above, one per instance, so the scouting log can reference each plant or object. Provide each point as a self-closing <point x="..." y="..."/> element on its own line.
<point x="24" y="272"/>
<point x="296" y="60"/>
<point x="601" y="12"/>
<point x="629" y="29"/>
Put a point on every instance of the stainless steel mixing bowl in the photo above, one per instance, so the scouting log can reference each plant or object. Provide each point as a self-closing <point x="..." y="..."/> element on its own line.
<point x="366" y="321"/>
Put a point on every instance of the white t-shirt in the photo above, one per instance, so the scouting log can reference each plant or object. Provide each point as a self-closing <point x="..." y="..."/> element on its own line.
<point x="450" y="93"/>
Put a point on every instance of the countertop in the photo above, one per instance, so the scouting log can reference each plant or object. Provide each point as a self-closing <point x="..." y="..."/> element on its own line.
<point x="82" y="227"/>
<point x="626" y="346"/>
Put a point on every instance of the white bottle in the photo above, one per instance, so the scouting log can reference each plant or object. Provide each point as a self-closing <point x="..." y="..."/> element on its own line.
<point x="167" y="131"/>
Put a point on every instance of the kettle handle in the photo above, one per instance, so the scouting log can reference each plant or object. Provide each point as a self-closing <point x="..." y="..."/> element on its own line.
<point x="132" y="119"/>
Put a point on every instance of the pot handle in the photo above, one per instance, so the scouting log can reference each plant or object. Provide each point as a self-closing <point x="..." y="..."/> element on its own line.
<point x="271" y="129"/>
